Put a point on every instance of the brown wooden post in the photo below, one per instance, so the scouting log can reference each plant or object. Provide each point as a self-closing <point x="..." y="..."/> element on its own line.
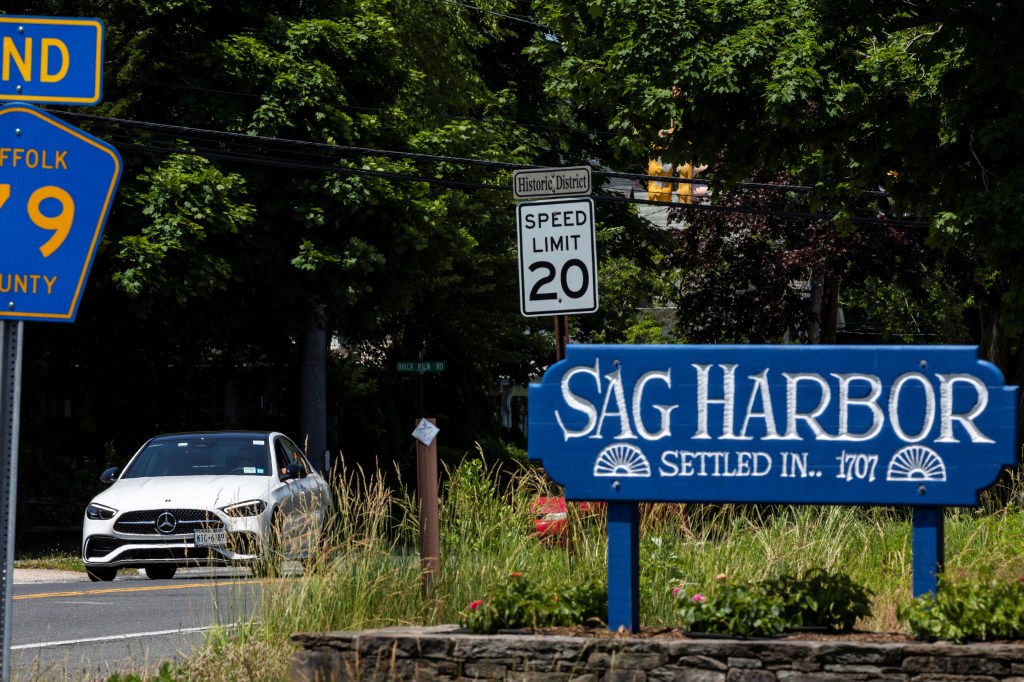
<point x="561" y="336"/>
<point x="430" y="534"/>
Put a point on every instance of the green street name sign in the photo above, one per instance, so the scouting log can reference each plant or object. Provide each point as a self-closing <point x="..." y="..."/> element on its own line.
<point x="422" y="366"/>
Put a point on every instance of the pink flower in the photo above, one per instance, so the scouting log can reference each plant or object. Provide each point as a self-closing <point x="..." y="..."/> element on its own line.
<point x="676" y="590"/>
<point x="720" y="577"/>
<point x="475" y="604"/>
<point x="698" y="599"/>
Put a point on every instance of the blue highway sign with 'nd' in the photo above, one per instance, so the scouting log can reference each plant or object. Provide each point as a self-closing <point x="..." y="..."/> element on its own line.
<point x="57" y="185"/>
<point x="51" y="60"/>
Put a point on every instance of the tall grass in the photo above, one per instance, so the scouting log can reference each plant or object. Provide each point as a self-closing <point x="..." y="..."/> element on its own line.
<point x="369" y="574"/>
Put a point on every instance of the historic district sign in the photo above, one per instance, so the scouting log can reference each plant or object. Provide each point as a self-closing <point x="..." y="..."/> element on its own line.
<point x="544" y="183"/>
<point x="921" y="426"/>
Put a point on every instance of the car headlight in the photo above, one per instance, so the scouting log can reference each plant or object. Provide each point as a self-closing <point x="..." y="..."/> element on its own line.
<point x="250" y="508"/>
<point x="97" y="512"/>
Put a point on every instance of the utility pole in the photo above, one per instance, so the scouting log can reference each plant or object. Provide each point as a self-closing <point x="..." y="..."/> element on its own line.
<point x="313" y="389"/>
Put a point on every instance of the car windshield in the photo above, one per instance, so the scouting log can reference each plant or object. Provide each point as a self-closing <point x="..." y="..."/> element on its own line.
<point x="202" y="456"/>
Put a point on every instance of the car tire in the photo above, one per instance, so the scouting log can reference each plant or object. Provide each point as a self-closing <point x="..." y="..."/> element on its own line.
<point x="314" y="558"/>
<point x="161" y="571"/>
<point x="270" y="563"/>
<point x="318" y="555"/>
<point x="103" y="574"/>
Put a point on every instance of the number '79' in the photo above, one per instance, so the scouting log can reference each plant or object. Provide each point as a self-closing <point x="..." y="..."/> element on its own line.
<point x="59" y="224"/>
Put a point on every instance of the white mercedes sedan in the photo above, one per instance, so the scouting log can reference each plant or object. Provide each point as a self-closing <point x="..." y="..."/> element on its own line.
<point x="218" y="498"/>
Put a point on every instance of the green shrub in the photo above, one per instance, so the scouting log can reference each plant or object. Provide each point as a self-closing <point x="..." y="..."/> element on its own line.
<point x="768" y="607"/>
<point x="969" y="610"/>
<point x="521" y="603"/>
<point x="821" y="599"/>
<point x="742" y="610"/>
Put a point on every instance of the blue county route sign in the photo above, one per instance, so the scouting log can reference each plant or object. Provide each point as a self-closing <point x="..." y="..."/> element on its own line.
<point x="57" y="185"/>
<point x="51" y="60"/>
<point x="892" y="425"/>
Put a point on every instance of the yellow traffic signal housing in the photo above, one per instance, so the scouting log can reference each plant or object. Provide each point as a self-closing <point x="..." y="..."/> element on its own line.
<point x="659" y="190"/>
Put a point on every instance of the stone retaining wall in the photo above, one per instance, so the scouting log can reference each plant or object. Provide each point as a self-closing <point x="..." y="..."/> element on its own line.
<point x="448" y="654"/>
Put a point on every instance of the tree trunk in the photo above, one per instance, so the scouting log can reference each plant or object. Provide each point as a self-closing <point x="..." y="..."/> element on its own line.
<point x="995" y="347"/>
<point x="313" y="390"/>
<point x="829" y="308"/>
<point x="814" y="327"/>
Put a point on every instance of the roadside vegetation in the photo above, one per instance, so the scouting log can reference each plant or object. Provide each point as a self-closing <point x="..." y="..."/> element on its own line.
<point x="53" y="559"/>
<point x="340" y="169"/>
<point x="370" y="578"/>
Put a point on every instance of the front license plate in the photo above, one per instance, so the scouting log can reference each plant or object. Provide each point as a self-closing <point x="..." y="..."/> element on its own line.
<point x="211" y="538"/>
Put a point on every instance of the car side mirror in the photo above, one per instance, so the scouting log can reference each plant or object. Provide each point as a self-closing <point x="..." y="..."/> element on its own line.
<point x="296" y="470"/>
<point x="110" y="475"/>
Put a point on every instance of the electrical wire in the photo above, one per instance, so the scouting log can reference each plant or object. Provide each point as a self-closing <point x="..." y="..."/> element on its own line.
<point x="324" y="157"/>
<point x="370" y="110"/>
<point x="264" y="141"/>
<point x="501" y="15"/>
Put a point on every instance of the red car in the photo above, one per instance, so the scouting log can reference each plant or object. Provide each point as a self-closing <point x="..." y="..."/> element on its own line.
<point x="550" y="515"/>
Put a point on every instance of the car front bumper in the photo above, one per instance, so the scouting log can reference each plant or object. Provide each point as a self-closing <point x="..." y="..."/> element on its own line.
<point x="104" y="545"/>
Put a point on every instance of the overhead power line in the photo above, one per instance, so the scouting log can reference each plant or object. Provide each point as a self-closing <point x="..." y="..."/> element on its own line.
<point x="363" y="109"/>
<point x="264" y="142"/>
<point x="500" y="15"/>
<point x="323" y="157"/>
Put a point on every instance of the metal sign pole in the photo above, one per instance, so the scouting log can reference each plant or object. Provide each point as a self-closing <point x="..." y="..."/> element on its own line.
<point x="10" y="408"/>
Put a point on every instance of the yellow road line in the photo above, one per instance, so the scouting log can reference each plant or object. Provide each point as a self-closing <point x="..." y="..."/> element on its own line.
<point x="112" y="590"/>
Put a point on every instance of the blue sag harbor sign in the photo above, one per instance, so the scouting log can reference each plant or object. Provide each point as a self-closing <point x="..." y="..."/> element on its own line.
<point x="919" y="426"/>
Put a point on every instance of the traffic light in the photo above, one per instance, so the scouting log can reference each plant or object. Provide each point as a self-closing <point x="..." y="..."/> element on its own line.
<point x="658" y="190"/>
<point x="687" y="192"/>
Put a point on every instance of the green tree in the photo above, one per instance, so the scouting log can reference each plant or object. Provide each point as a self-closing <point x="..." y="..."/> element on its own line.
<point x="920" y="99"/>
<point x="251" y="201"/>
<point x="764" y="271"/>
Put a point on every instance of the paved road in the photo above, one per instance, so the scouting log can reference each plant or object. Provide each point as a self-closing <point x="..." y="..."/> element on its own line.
<point x="63" y="626"/>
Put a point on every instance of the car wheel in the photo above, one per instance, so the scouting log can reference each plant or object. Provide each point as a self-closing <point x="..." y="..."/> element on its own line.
<point x="315" y="556"/>
<point x="270" y="563"/>
<point x="101" y="573"/>
<point x="161" y="571"/>
<point x="318" y="554"/>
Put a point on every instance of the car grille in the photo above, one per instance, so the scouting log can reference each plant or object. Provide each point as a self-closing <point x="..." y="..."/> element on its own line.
<point x="185" y="521"/>
<point x="98" y="546"/>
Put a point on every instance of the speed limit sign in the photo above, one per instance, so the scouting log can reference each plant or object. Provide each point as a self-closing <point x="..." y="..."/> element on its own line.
<point x="557" y="257"/>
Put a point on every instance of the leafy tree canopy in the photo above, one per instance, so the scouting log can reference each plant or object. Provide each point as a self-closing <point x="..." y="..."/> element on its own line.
<point x="251" y="197"/>
<point x="919" y="98"/>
